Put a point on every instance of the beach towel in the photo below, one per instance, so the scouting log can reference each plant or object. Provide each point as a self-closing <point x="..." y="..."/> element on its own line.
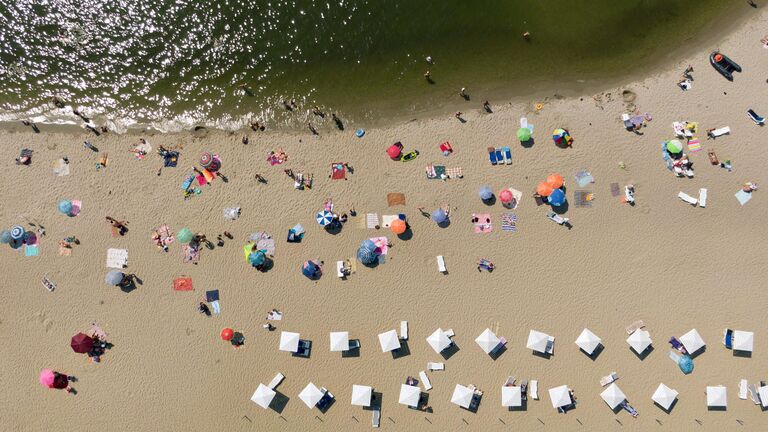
<point x="440" y="172"/>
<point x="201" y="180"/>
<point x="615" y="191"/>
<point x="76" y="207"/>
<point x="65" y="251"/>
<point x="582" y="198"/>
<point x="191" y="254"/>
<point x="492" y="156"/>
<point x="182" y="284"/>
<point x="382" y="245"/>
<point x="216" y="307"/>
<point x="208" y="175"/>
<point x="694" y="145"/>
<point x="212" y="296"/>
<point x="31" y="250"/>
<point x="188" y="182"/>
<point x="372" y="220"/>
<point x="508" y="222"/>
<point x="583" y="178"/>
<point x="516" y="197"/>
<point x="170" y="159"/>
<point x="457" y="172"/>
<point x="274" y="315"/>
<point x="743" y="197"/>
<point x="338" y="171"/>
<point x="435" y="172"/>
<point x="117" y="258"/>
<point x="386" y="220"/>
<point x="483" y="223"/>
<point x="61" y="168"/>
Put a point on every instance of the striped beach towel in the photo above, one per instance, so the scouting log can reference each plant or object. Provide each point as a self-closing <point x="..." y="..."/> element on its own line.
<point x="694" y="145"/>
<point x="372" y="220"/>
<point x="583" y="198"/>
<point x="454" y="172"/>
<point x="508" y="222"/>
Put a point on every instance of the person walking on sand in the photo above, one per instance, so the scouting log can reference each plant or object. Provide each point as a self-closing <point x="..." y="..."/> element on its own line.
<point x="427" y="75"/>
<point x="463" y="93"/>
<point x="55" y="380"/>
<point x="312" y="128"/>
<point x="527" y="35"/>
<point x="487" y="107"/>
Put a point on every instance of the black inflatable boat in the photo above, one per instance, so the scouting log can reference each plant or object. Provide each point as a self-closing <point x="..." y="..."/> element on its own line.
<point x="724" y="65"/>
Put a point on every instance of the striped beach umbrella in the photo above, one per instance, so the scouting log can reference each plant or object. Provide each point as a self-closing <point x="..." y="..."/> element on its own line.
<point x="17" y="232"/>
<point x="324" y="217"/>
<point x="206" y="159"/>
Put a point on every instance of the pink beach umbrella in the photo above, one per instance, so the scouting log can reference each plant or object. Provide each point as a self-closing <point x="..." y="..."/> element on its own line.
<point x="505" y="196"/>
<point x="47" y="378"/>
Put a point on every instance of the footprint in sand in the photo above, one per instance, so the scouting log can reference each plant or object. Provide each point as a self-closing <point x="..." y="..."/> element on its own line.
<point x="42" y="318"/>
<point x="190" y="331"/>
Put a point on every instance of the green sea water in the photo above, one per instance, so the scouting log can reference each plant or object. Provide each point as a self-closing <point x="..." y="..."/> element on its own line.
<point x="174" y="64"/>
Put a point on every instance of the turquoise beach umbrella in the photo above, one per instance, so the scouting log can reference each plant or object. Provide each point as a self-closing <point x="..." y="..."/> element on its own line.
<point x="65" y="207"/>
<point x="184" y="235"/>
<point x="257" y="258"/>
<point x="686" y="364"/>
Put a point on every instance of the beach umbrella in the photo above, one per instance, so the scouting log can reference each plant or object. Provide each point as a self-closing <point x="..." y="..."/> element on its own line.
<point x="184" y="235"/>
<point x="289" y="341"/>
<point x="685" y="363"/>
<point x="389" y="341"/>
<point x="227" y="334"/>
<point x="556" y="198"/>
<point x="439" y="340"/>
<point x="29" y="237"/>
<point x="206" y="159"/>
<point x="544" y="189"/>
<point x="263" y="396"/>
<point x="81" y="343"/>
<point x="257" y="258"/>
<point x="487" y="341"/>
<point x="311" y="269"/>
<point x="511" y="396"/>
<point x="362" y="395"/>
<point x="368" y="245"/>
<point x="664" y="396"/>
<point x="763" y="393"/>
<point x="555" y="180"/>
<point x="743" y="341"/>
<point x="439" y="216"/>
<point x="639" y="340"/>
<point x="537" y="341"/>
<point x="674" y="146"/>
<point x="588" y="341"/>
<point x="394" y="151"/>
<point x="409" y="395"/>
<point x="311" y="395"/>
<point x="692" y="341"/>
<point x="47" y="377"/>
<point x="5" y="236"/>
<point x="324" y="217"/>
<point x="613" y="396"/>
<point x="339" y="341"/>
<point x="462" y="396"/>
<point x="524" y="134"/>
<point x="114" y="277"/>
<point x="17" y="232"/>
<point x="366" y="256"/>
<point x="560" y="396"/>
<point x="716" y="396"/>
<point x="558" y="135"/>
<point x="398" y="226"/>
<point x="506" y="196"/>
<point x="65" y="207"/>
<point x="485" y="193"/>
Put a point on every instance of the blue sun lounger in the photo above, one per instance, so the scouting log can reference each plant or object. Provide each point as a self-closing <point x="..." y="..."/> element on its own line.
<point x="492" y="156"/>
<point x="755" y="118"/>
<point x="507" y="155"/>
<point x="728" y="338"/>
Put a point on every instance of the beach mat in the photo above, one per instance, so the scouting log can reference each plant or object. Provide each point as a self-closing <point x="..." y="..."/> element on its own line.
<point x="483" y="224"/>
<point x="182" y="284"/>
<point x="615" y="191"/>
<point x="61" y="168"/>
<point x="694" y="145"/>
<point x="583" y="178"/>
<point x="508" y="222"/>
<point x="582" y="198"/>
<point x="338" y="171"/>
<point x="456" y="172"/>
<point x="372" y="220"/>
<point x="212" y="296"/>
<point x="435" y="172"/>
<point x="395" y="198"/>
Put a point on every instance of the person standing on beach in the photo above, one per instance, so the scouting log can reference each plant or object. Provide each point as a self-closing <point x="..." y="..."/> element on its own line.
<point x="312" y="128"/>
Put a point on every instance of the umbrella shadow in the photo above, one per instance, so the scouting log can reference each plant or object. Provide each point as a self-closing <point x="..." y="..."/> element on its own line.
<point x="595" y="354"/>
<point x="495" y="354"/>
<point x="268" y="264"/>
<point x="561" y="209"/>
<point x="542" y="355"/>
<point x="324" y="409"/>
<point x="444" y="224"/>
<point x="717" y="408"/>
<point x="743" y="354"/>
<point x="403" y="351"/>
<point x="644" y="354"/>
<point x="351" y="353"/>
<point x="529" y="143"/>
<point x="671" y="407"/>
<point x="450" y="351"/>
<point x="699" y="352"/>
<point x="279" y="402"/>
<point x="490" y="201"/>
<point x="333" y="228"/>
<point x="407" y="235"/>
<point x="523" y="406"/>
<point x="376" y="402"/>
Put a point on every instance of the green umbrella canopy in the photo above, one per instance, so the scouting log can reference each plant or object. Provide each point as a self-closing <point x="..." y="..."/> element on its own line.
<point x="523" y="134"/>
<point x="184" y="235"/>
<point x="674" y="146"/>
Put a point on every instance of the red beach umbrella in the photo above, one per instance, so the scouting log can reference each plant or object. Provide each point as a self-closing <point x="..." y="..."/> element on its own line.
<point x="394" y="151"/>
<point x="206" y="159"/>
<point x="81" y="343"/>
<point x="227" y="334"/>
<point x="505" y="196"/>
<point x="555" y="180"/>
<point x="544" y="189"/>
<point x="47" y="378"/>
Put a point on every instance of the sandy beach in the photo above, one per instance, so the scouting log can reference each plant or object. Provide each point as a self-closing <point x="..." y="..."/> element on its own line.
<point x="672" y="265"/>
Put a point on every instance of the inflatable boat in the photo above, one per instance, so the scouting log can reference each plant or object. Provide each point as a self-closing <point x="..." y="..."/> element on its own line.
<point x="724" y="65"/>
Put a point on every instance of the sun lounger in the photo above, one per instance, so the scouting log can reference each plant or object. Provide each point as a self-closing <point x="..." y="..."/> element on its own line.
<point x="534" y="390"/>
<point x="743" y="389"/>
<point x="550" y="345"/>
<point x="499" y="156"/>
<point x="675" y="357"/>
<point x="425" y="381"/>
<point x="507" y="155"/>
<point x="441" y="264"/>
<point x="524" y="389"/>
<point x="117" y="258"/>
<point x="702" y="197"/>
<point x="755" y="117"/>
<point x="340" y="269"/>
<point x="557" y="218"/>
<point x="450" y="333"/>
<point x="728" y="338"/>
<point x="687" y="198"/>
<point x="676" y="344"/>
<point x="435" y="366"/>
<point x="492" y="156"/>
<point x="376" y="418"/>
<point x="753" y="394"/>
<point x="634" y="326"/>
<point x="628" y="408"/>
<point x="613" y="376"/>
<point x="404" y="330"/>
<point x="510" y="381"/>
<point x="719" y="132"/>
<point x="276" y="380"/>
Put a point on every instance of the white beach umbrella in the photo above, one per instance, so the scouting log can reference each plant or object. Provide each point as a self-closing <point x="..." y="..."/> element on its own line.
<point x="409" y="395"/>
<point x="361" y="395"/>
<point x="588" y="341"/>
<point x="613" y="396"/>
<point x="639" y="340"/>
<point x="692" y="341"/>
<point x="289" y="341"/>
<point x="462" y="396"/>
<point x="439" y="340"/>
<point x="560" y="396"/>
<point x="389" y="341"/>
<point x="487" y="341"/>
<point x="311" y="395"/>
<point x="664" y="396"/>
<point x="263" y="396"/>
<point x="716" y="396"/>
<point x="763" y="393"/>
<point x="537" y="341"/>
<point x="511" y="396"/>
<point x="743" y="341"/>
<point x="339" y="341"/>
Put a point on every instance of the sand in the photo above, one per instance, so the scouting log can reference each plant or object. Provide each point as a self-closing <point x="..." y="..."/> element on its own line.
<point x="675" y="266"/>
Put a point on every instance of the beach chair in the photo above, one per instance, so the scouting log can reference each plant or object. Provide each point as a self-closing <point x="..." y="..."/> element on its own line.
<point x="676" y="344"/>
<point x="534" y="390"/>
<point x="687" y="198"/>
<point x="376" y="418"/>
<point x="524" y="389"/>
<point x="499" y="156"/>
<point x="435" y="366"/>
<point x="48" y="284"/>
<point x="613" y="376"/>
<point x="441" y="264"/>
<point x="702" y="197"/>
<point x="755" y="117"/>
<point x="510" y="382"/>
<point x="340" y="269"/>
<point x="634" y="326"/>
<point x="719" y="132"/>
<point x="404" y="330"/>
<point x="743" y="389"/>
<point x="450" y="333"/>
<point x="354" y="344"/>
<point x="550" y="345"/>
<point x="728" y="338"/>
<point x="507" y="155"/>
<point x="628" y="408"/>
<point x="557" y="218"/>
<point x="492" y="156"/>
<point x="276" y="381"/>
<point x="425" y="381"/>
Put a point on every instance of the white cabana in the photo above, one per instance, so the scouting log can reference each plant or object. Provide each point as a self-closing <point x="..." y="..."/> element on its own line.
<point x="409" y="395"/>
<point x="692" y="341"/>
<point x="613" y="396"/>
<point x="311" y="395"/>
<point x="339" y="341"/>
<point x="763" y="393"/>
<point x="664" y="396"/>
<point x="462" y="396"/>
<point x="639" y="340"/>
<point x="389" y="341"/>
<point x="361" y="395"/>
<point x="560" y="396"/>
<point x="716" y="396"/>
<point x="263" y="396"/>
<point x="588" y="341"/>
<point x="488" y="341"/>
<point x="439" y="340"/>
<point x="289" y="341"/>
<point x="511" y="396"/>
<point x="743" y="341"/>
<point x="537" y="341"/>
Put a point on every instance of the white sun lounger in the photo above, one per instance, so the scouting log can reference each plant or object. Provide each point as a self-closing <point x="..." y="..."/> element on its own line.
<point x="376" y="418"/>
<point x="557" y="218"/>
<point x="117" y="258"/>
<point x="340" y="269"/>
<point x="551" y="345"/>
<point x="276" y="380"/>
<point x="441" y="264"/>
<point x="720" y="131"/>
<point x="702" y="197"/>
<point x="425" y="381"/>
<point x="435" y="366"/>
<point x="510" y="381"/>
<point x="687" y="198"/>
<point x="533" y="389"/>
<point x="404" y="330"/>
<point x="604" y="381"/>
<point x="450" y="333"/>
<point x="743" y="389"/>
<point x="753" y="394"/>
<point x="634" y="326"/>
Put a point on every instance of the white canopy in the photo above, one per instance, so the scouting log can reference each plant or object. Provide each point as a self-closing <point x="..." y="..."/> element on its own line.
<point x="409" y="395"/>
<point x="487" y="341"/>
<point x="389" y="341"/>
<point x="361" y="395"/>
<point x="537" y="341"/>
<point x="716" y="396"/>
<point x="692" y="341"/>
<point x="763" y="393"/>
<point x="664" y="396"/>
<point x="311" y="395"/>
<point x="560" y="396"/>
<point x="339" y="341"/>
<point x="639" y="340"/>
<point x="289" y="341"/>
<point x="511" y="396"/>
<point x="263" y="396"/>
<point x="613" y="396"/>
<point x="462" y="396"/>
<point x="588" y="341"/>
<point x="439" y="340"/>
<point x="743" y="341"/>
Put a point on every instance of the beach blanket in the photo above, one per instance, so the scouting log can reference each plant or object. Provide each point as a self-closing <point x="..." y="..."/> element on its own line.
<point x="483" y="223"/>
<point x="182" y="284"/>
<point x="395" y="198"/>
<point x="615" y="191"/>
<point x="61" y="168"/>
<point x="338" y="171"/>
<point x="76" y="207"/>
<point x="212" y="296"/>
<point x="386" y="220"/>
<point x="264" y="242"/>
<point x="743" y="197"/>
<point x="117" y="258"/>
<point x="64" y="250"/>
<point x="31" y="250"/>
<point x="583" y="178"/>
<point x="508" y="222"/>
<point x="274" y="315"/>
<point x="694" y="145"/>
<point x="170" y="159"/>
<point x="216" y="307"/>
<point x="191" y="254"/>
<point x="372" y="220"/>
<point x="517" y="196"/>
<point x="201" y="180"/>
<point x="382" y="245"/>
<point x="583" y="198"/>
<point x="436" y="172"/>
<point x="456" y="172"/>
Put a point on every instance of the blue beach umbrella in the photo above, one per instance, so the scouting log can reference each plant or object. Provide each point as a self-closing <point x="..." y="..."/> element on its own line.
<point x="114" y="277"/>
<point x="439" y="216"/>
<point x="685" y="364"/>
<point x="311" y="270"/>
<point x="5" y="236"/>
<point x="257" y="258"/>
<point x="366" y="256"/>
<point x="17" y="232"/>
<point x="65" y="207"/>
<point x="556" y="198"/>
<point x="368" y="245"/>
<point x="485" y="193"/>
<point x="324" y="217"/>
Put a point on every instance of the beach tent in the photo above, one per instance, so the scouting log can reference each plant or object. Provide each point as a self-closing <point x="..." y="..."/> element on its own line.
<point x="639" y="340"/>
<point x="692" y="341"/>
<point x="339" y="341"/>
<point x="743" y="341"/>
<point x="439" y="340"/>
<point x="664" y="396"/>
<point x="389" y="341"/>
<point x="560" y="396"/>
<point x="537" y="341"/>
<point x="263" y="396"/>
<point x="311" y="395"/>
<point x="462" y="396"/>
<point x="716" y="396"/>
<point x="488" y="341"/>
<point x="588" y="341"/>
<point x="613" y="396"/>
<point x="361" y="395"/>
<point x="511" y="396"/>
<point x="289" y="341"/>
<point x="763" y="393"/>
<point x="409" y="395"/>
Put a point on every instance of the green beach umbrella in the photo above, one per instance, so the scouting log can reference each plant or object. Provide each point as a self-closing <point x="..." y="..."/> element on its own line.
<point x="523" y="134"/>
<point x="674" y="146"/>
<point x="184" y="235"/>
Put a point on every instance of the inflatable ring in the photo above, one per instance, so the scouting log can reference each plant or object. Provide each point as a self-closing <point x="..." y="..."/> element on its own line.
<point x="538" y="106"/>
